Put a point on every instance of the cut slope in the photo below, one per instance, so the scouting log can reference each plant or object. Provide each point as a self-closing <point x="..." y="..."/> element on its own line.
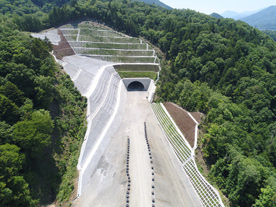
<point x="208" y="195"/>
<point x="63" y="48"/>
<point x="103" y="43"/>
<point x="184" y="122"/>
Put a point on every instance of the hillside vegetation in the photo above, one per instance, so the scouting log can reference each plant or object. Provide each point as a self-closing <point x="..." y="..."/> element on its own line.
<point x="221" y="67"/>
<point x="42" y="123"/>
<point x="216" y="15"/>
<point x="271" y="33"/>
<point x="156" y="2"/>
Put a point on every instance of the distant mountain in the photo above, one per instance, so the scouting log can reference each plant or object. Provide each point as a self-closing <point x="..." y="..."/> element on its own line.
<point x="229" y="14"/>
<point x="264" y="20"/>
<point x="156" y="2"/>
<point x="216" y="15"/>
<point x="236" y="15"/>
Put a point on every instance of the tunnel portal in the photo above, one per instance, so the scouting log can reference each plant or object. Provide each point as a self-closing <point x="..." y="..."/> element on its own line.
<point x="135" y="86"/>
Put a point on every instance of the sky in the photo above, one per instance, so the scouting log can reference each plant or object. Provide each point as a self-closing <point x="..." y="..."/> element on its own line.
<point x="220" y="6"/>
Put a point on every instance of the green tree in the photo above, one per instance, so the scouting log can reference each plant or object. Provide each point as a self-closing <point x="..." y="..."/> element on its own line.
<point x="5" y="133"/>
<point x="12" y="92"/>
<point x="14" y="190"/>
<point x="245" y="180"/>
<point x="22" y="77"/>
<point x="44" y="91"/>
<point x="29" y="22"/>
<point x="8" y="110"/>
<point x="34" y="135"/>
<point x="267" y="198"/>
<point x="214" y="141"/>
<point x="26" y="109"/>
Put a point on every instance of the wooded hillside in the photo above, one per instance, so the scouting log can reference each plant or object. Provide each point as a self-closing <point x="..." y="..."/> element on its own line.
<point x="42" y="123"/>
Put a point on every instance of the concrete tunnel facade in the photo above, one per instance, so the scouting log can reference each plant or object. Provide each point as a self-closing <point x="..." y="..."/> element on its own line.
<point x="137" y="84"/>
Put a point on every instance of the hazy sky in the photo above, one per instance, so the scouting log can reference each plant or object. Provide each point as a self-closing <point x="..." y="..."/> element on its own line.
<point x="220" y="6"/>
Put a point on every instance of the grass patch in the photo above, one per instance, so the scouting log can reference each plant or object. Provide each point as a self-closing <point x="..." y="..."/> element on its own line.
<point x="71" y="38"/>
<point x="117" y="46"/>
<point x="127" y="68"/>
<point x="121" y="59"/>
<point x="91" y="32"/>
<point x="89" y="26"/>
<point x="151" y="75"/>
<point x="96" y="38"/>
<point x="69" y="32"/>
<point x="117" y="52"/>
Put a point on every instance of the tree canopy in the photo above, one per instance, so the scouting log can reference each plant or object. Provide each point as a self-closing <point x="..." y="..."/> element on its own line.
<point x="35" y="124"/>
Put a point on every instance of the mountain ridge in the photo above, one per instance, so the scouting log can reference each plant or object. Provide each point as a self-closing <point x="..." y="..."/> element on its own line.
<point x="216" y="15"/>
<point x="263" y="20"/>
<point x="237" y="15"/>
<point x="156" y="2"/>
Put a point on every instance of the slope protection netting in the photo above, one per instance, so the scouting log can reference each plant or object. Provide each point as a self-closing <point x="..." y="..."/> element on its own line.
<point x="124" y="59"/>
<point x="208" y="195"/>
<point x="122" y="52"/>
<point x="108" y="45"/>
<point x="180" y="147"/>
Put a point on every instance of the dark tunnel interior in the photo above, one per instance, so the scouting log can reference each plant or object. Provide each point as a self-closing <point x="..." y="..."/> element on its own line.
<point x="135" y="86"/>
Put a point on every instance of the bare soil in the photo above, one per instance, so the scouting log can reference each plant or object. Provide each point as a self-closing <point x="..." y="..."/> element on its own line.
<point x="197" y="116"/>
<point x="184" y="122"/>
<point x="63" y="48"/>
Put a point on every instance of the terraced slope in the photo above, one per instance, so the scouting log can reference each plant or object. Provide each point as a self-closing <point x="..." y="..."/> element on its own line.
<point x="106" y="44"/>
<point x="101" y="84"/>
<point x="208" y="195"/>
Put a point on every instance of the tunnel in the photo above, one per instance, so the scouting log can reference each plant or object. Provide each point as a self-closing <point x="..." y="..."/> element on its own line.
<point x="135" y="86"/>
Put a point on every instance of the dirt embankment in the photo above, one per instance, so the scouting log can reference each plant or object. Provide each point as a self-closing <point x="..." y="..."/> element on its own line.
<point x="184" y="122"/>
<point x="197" y="116"/>
<point x="63" y="48"/>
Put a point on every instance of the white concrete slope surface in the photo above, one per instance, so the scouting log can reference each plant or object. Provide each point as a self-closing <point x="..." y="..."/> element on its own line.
<point x="102" y="86"/>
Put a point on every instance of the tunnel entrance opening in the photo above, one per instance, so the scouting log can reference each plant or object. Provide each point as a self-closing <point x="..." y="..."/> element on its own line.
<point x="135" y="86"/>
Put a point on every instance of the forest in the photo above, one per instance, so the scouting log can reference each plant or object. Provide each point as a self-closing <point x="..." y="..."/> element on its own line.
<point x="221" y="67"/>
<point x="42" y="122"/>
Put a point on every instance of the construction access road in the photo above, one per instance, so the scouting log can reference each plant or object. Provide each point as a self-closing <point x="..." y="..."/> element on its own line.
<point x="108" y="183"/>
